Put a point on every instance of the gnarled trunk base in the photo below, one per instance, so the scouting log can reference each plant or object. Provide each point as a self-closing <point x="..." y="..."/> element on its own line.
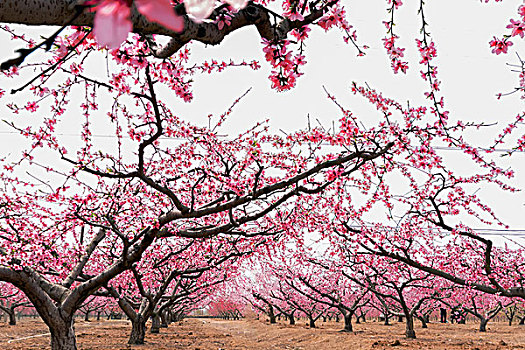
<point x="483" y="325"/>
<point x="155" y="324"/>
<point x="12" y="318"/>
<point x="63" y="337"/>
<point x="348" y="323"/>
<point x="138" y="331"/>
<point x="410" y="332"/>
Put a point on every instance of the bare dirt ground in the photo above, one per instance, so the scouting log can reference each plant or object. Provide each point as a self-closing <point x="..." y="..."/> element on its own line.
<point x="213" y="334"/>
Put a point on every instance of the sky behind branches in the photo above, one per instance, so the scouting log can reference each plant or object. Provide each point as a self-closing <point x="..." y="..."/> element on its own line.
<point x="471" y="78"/>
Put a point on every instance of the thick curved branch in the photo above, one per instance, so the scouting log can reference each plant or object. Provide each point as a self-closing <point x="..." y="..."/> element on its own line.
<point x="72" y="277"/>
<point x="362" y="156"/>
<point x="59" y="12"/>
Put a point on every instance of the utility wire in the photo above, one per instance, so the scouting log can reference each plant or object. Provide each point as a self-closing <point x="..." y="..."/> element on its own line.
<point x="442" y="148"/>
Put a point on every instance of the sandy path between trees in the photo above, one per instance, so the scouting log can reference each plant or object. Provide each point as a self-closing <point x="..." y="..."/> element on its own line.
<point x="212" y="334"/>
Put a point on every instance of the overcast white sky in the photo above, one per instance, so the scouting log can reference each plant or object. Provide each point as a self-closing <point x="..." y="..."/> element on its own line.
<point x="471" y="75"/>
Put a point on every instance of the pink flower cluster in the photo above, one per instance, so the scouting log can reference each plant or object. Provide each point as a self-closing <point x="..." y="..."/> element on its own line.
<point x="517" y="28"/>
<point x="334" y="17"/>
<point x="285" y="64"/>
<point x="428" y="53"/>
<point x="291" y="10"/>
<point x="395" y="53"/>
<point x="500" y="45"/>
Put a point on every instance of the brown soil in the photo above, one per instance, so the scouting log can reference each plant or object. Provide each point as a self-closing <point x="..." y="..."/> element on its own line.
<point x="213" y="334"/>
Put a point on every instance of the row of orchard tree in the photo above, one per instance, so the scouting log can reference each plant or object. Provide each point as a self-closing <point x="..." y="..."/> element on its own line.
<point x="347" y="289"/>
<point x="159" y="217"/>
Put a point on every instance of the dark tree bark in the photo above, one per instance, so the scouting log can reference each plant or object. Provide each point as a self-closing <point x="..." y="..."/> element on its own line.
<point x="424" y="323"/>
<point x="155" y="324"/>
<point x="291" y="318"/>
<point x="483" y="324"/>
<point x="63" y="335"/>
<point x="348" y="322"/>
<point x="138" y="331"/>
<point x="164" y="319"/>
<point x="12" y="318"/>
<point x="410" y="332"/>
<point x="271" y="315"/>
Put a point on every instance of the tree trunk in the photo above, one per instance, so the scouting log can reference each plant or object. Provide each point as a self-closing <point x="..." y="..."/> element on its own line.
<point x="163" y="320"/>
<point x="483" y="325"/>
<point x="138" y="331"/>
<point x="312" y="322"/>
<point x="63" y="336"/>
<point x="169" y="317"/>
<point x="348" y="322"/>
<point x="155" y="324"/>
<point x="12" y="317"/>
<point x="387" y="320"/>
<point x="86" y="316"/>
<point x="410" y="332"/>
<point x="292" y="319"/>
<point x="271" y="315"/>
<point x="98" y="315"/>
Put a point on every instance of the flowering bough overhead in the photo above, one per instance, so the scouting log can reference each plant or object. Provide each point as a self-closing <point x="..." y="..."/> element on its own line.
<point x="207" y="22"/>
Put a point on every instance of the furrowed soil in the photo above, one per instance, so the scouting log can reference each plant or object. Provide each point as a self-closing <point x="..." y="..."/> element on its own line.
<point x="215" y="334"/>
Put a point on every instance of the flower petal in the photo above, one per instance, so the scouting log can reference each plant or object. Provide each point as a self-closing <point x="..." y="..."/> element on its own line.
<point x="237" y="4"/>
<point x="199" y="9"/>
<point x="162" y="12"/>
<point x="112" y="24"/>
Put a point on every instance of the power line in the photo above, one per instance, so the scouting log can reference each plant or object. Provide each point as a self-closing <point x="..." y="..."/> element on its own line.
<point x="479" y="231"/>
<point x="441" y="148"/>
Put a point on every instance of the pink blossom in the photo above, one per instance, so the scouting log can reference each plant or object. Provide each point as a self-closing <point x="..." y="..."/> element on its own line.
<point x="500" y="46"/>
<point x="112" y="19"/>
<point x="237" y="4"/>
<point x="396" y="3"/>
<point x="301" y="34"/>
<point x="518" y="28"/>
<point x="112" y="23"/>
<point x="199" y="9"/>
<point x="222" y="20"/>
<point x="295" y="16"/>
<point x="31" y="106"/>
<point x="521" y="11"/>
<point x="161" y="11"/>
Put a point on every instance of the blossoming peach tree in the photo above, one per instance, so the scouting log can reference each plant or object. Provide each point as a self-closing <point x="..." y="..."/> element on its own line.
<point x="73" y="225"/>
